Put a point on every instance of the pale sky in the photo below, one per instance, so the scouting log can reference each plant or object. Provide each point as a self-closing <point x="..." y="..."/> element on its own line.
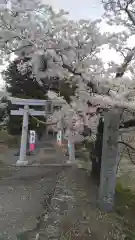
<point x="79" y="9"/>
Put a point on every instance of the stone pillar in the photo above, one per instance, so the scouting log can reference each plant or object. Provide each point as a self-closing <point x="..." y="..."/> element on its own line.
<point x="71" y="147"/>
<point x="23" y="148"/>
<point x="109" y="159"/>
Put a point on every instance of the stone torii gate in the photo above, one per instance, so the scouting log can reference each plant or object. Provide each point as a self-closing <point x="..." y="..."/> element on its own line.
<point x="25" y="112"/>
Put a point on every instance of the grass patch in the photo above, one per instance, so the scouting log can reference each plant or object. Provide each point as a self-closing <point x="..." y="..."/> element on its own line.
<point x="66" y="236"/>
<point x="125" y="209"/>
<point x="1" y="163"/>
<point x="7" y="139"/>
<point x="22" y="236"/>
<point x="5" y="172"/>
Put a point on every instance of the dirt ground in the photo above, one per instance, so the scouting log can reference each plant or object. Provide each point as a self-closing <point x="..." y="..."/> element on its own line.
<point x="23" y="189"/>
<point x="73" y="213"/>
<point x="51" y="203"/>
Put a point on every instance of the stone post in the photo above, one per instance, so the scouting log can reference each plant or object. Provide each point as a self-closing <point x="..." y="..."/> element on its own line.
<point x="109" y="159"/>
<point x="71" y="147"/>
<point x="23" y="148"/>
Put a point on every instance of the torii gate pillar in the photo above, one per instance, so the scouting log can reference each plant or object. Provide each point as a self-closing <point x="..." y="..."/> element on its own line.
<point x="23" y="148"/>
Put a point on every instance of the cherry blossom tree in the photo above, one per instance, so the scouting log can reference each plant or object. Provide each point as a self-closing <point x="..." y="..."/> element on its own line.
<point x="71" y="49"/>
<point x="121" y="13"/>
<point x="36" y="30"/>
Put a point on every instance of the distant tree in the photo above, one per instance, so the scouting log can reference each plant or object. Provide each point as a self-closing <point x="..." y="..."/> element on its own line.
<point x="26" y="86"/>
<point x="22" y="86"/>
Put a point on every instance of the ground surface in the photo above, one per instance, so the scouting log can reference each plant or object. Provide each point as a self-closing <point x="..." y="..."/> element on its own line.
<point x="48" y="203"/>
<point x="22" y="190"/>
<point x="73" y="212"/>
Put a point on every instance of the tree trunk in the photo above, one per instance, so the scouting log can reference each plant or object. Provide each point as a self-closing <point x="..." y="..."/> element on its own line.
<point x="97" y="151"/>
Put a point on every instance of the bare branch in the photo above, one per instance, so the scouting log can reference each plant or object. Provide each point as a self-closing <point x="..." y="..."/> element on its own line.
<point x="130" y="15"/>
<point x="21" y="48"/>
<point x="128" y="3"/>
<point x="121" y="70"/>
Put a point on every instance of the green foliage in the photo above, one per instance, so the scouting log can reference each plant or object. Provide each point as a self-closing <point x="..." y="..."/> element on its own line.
<point x="66" y="236"/>
<point x="22" y="236"/>
<point x="2" y="114"/>
<point x="22" y="86"/>
<point x="66" y="90"/>
<point x="125" y="208"/>
<point x="125" y="199"/>
<point x="8" y="139"/>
